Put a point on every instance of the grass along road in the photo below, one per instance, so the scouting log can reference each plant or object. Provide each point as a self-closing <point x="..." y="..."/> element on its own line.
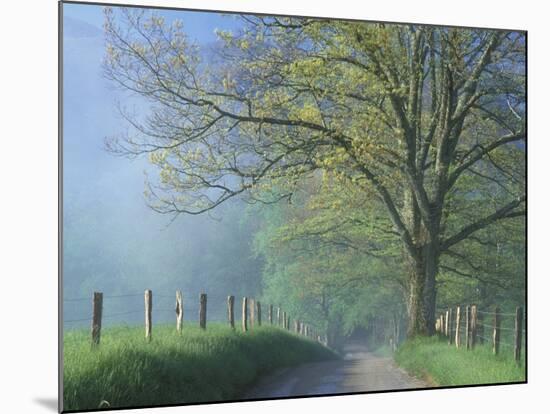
<point x="198" y="366"/>
<point x="445" y="365"/>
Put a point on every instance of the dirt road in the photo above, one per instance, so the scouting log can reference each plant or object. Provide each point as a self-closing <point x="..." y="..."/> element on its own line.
<point x="359" y="371"/>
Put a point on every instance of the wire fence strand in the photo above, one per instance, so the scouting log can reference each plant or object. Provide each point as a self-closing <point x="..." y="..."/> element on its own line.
<point x="493" y="312"/>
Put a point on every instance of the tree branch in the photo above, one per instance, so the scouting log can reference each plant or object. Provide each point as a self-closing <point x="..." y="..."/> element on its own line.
<point x="506" y="211"/>
<point x="480" y="154"/>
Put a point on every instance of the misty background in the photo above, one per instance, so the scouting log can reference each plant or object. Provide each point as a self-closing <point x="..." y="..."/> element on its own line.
<point x="112" y="241"/>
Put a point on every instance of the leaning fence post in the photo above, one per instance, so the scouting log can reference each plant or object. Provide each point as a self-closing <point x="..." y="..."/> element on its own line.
<point x="259" y="312"/>
<point x="518" y="331"/>
<point x="245" y="314"/>
<point x="97" y="311"/>
<point x="148" y="314"/>
<point x="270" y="314"/>
<point x="230" y="311"/>
<point x="496" y="331"/>
<point x="451" y="337"/>
<point x="473" y="326"/>
<point x="202" y="311"/>
<point x="457" y="332"/>
<point x="179" y="311"/>
<point x="468" y="333"/>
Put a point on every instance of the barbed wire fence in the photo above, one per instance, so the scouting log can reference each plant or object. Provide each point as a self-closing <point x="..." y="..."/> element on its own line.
<point x="175" y="308"/>
<point x="468" y="326"/>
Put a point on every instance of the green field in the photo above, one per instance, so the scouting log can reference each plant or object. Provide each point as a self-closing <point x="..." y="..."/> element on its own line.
<point x="213" y="365"/>
<point x="443" y="365"/>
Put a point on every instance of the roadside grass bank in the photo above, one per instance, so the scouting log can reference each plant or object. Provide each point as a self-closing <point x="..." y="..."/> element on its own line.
<point x="444" y="365"/>
<point x="198" y="366"/>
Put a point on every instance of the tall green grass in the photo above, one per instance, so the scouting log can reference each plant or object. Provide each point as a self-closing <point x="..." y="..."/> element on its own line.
<point x="198" y="366"/>
<point x="445" y="365"/>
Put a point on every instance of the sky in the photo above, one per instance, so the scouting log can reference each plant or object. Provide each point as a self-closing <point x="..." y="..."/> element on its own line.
<point x="112" y="241"/>
<point x="199" y="25"/>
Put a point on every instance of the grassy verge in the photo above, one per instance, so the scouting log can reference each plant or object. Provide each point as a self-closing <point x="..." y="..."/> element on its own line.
<point x="212" y="365"/>
<point x="444" y="365"/>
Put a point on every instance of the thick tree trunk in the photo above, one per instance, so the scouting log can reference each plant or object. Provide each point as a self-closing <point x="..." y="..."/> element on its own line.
<point x="431" y="260"/>
<point x="417" y="322"/>
<point x="422" y="291"/>
<point x="422" y="266"/>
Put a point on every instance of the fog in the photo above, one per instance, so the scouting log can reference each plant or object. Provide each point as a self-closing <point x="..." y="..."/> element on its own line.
<point x="112" y="241"/>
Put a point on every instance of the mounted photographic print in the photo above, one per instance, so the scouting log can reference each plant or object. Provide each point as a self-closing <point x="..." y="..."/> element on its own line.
<point x="258" y="207"/>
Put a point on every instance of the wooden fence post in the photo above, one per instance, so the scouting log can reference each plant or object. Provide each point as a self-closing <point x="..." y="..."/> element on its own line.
<point x="451" y="336"/>
<point x="284" y="319"/>
<point x="447" y="323"/>
<point x="97" y="311"/>
<point x="473" y="325"/>
<point x="270" y="314"/>
<point x="245" y="314"/>
<point x="288" y="322"/>
<point x="179" y="311"/>
<point x="278" y="316"/>
<point x="467" y="339"/>
<point x="230" y="311"/>
<point x="518" y="331"/>
<point x="457" y="332"/>
<point x="252" y="310"/>
<point x="296" y="326"/>
<point x="202" y="311"/>
<point x="148" y="314"/>
<point x="496" y="331"/>
<point x="259" y="313"/>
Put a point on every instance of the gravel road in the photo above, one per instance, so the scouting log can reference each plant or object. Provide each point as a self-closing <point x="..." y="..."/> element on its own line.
<point x="359" y="371"/>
